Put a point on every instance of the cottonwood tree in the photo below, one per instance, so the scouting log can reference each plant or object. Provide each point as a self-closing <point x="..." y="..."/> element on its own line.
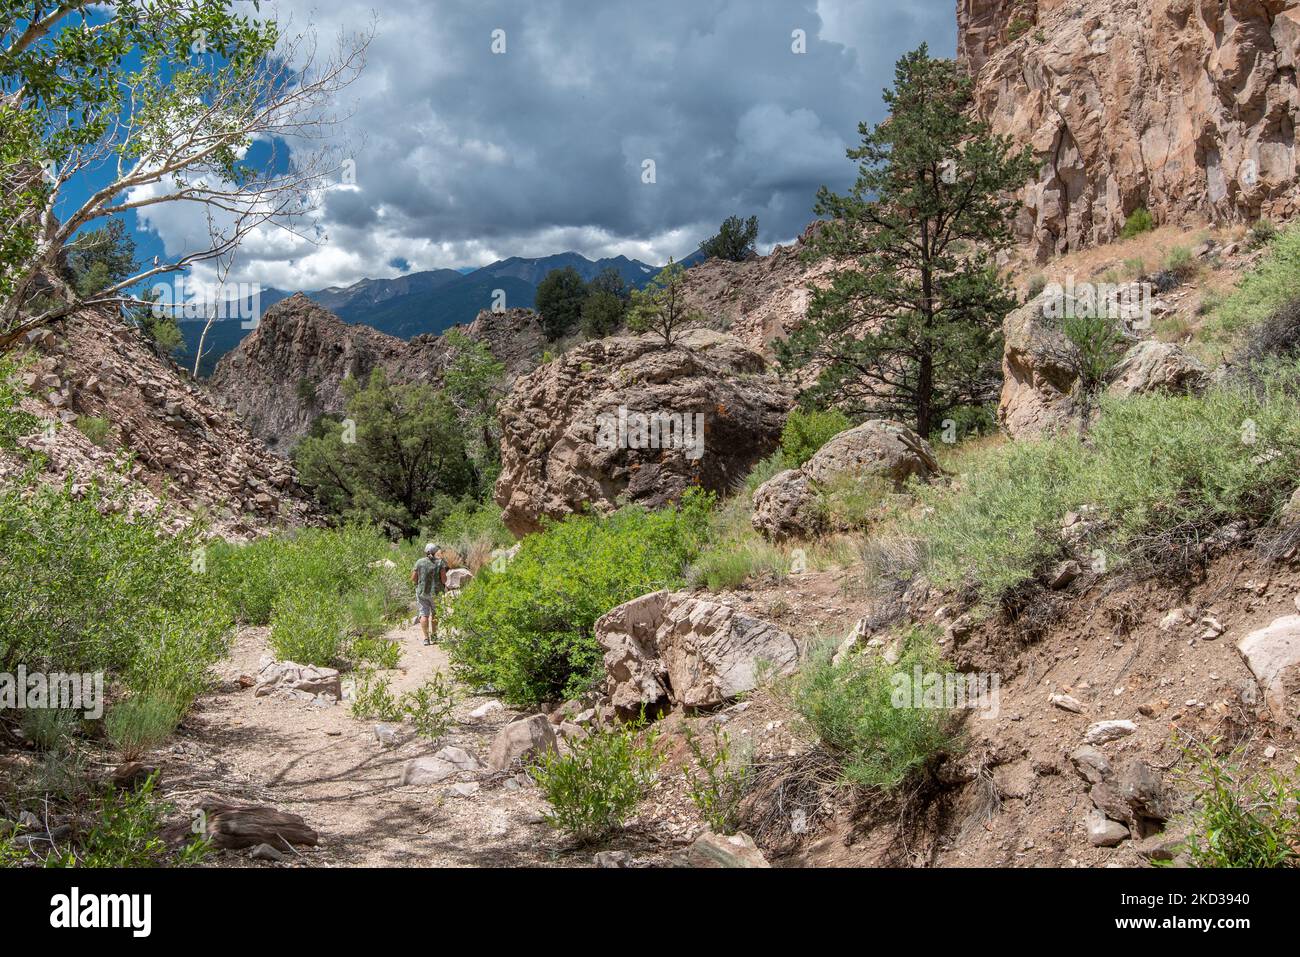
<point x="165" y="101"/>
<point x="912" y="328"/>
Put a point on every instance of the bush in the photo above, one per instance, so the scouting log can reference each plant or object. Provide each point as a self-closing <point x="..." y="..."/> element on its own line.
<point x="99" y="431"/>
<point x="430" y="706"/>
<point x="87" y="588"/>
<point x="14" y="423"/>
<point x="474" y="530"/>
<point x="730" y="563"/>
<point x="1263" y="290"/>
<point x="528" y="630"/>
<point x="1139" y="221"/>
<point x="50" y="729"/>
<point x="128" y="834"/>
<point x="372" y="697"/>
<point x="850" y="708"/>
<point x="1159" y="470"/>
<point x="140" y="723"/>
<point x="720" y="784"/>
<point x="596" y="787"/>
<point x="307" y="627"/>
<point x="806" y="432"/>
<point x="1241" y="821"/>
<point x="1262" y="233"/>
<point x="378" y="652"/>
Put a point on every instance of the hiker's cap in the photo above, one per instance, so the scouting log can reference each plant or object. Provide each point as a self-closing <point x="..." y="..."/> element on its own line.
<point x="430" y="548"/>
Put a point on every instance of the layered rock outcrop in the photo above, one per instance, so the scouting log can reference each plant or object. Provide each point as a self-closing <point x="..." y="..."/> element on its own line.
<point x="290" y="370"/>
<point x="1185" y="107"/>
<point x="109" y="410"/>
<point x="628" y="419"/>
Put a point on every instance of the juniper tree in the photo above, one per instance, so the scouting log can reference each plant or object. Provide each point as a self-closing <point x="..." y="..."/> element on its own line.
<point x="912" y="328"/>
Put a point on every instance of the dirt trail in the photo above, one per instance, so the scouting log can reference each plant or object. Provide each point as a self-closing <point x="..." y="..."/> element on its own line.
<point x="328" y="766"/>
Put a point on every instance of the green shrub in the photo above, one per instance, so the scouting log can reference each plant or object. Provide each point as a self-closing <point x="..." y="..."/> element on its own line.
<point x="372" y="697"/>
<point x="764" y="470"/>
<point x="377" y="652"/>
<point x="1240" y="821"/>
<point x="851" y="709"/>
<point x="50" y="729"/>
<point x="1159" y="470"/>
<point x="596" y="787"/>
<point x="719" y="785"/>
<point x="14" y="423"/>
<point x="527" y="630"/>
<point x="87" y="588"/>
<point x="806" y="432"/>
<point x="308" y="627"/>
<point x="1180" y="263"/>
<point x="1139" y="221"/>
<point x="1037" y="283"/>
<point x="430" y="706"/>
<point x="140" y="723"/>
<point x="1263" y="290"/>
<point x="127" y="833"/>
<point x="99" y="431"/>
<point x="1262" y="233"/>
<point x="851" y="502"/>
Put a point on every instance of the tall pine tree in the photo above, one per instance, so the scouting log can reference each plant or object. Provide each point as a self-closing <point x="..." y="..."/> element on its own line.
<point x="913" y="329"/>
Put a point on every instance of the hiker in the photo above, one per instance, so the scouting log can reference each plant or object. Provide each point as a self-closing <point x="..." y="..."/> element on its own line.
<point x="430" y="578"/>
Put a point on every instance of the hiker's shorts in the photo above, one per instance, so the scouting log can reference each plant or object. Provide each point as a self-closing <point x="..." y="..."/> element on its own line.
<point x="426" y="606"/>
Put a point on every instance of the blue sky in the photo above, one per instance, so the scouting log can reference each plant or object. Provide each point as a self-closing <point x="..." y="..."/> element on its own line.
<point x="465" y="155"/>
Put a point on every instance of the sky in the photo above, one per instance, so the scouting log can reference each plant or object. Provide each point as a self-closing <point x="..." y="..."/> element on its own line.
<point x="464" y="155"/>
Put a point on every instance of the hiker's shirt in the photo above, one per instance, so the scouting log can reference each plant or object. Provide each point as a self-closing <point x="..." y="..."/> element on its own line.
<point x="428" y="577"/>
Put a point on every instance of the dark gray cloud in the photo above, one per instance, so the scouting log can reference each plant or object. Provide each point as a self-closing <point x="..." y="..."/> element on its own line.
<point x="469" y="155"/>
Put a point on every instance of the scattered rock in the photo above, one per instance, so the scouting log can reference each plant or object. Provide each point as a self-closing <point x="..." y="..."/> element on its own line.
<point x="1105" y="731"/>
<point x="232" y="827"/>
<point x="1140" y="785"/>
<point x="524" y="739"/>
<point x="485" y="709"/>
<point x="1103" y="832"/>
<point x="387" y="735"/>
<point x="1175" y="618"/>
<point x="1272" y="654"/>
<point x="265" y="852"/>
<point x="1154" y="366"/>
<point x="612" y="859"/>
<point x="1213" y="628"/>
<point x="464" y="789"/>
<point x="1064" y="573"/>
<point x="718" y="850"/>
<point x="302" y="680"/>
<point x="1091" y="764"/>
<point x="132" y="775"/>
<point x="1068" y="703"/>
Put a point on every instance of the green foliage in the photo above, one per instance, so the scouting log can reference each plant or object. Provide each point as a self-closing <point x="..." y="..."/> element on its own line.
<point x="140" y="723"/>
<point x="806" y="432"/>
<point x="430" y="706"/>
<point x="99" y="431"/>
<point x="602" y="314"/>
<point x="528" y="630"/>
<point x="1099" y="344"/>
<point x="399" y="456"/>
<point x="912" y="330"/>
<point x="722" y="778"/>
<point x="734" y="240"/>
<point x="1139" y="221"/>
<point x="87" y="589"/>
<point x="598" y="785"/>
<point x="372" y="697"/>
<point x="474" y="382"/>
<point x="1239" y="820"/>
<point x="1263" y="290"/>
<point x="307" y="627"/>
<point x="1180" y="263"/>
<point x="1159" y="470"/>
<point x="14" y="422"/>
<point x="376" y="652"/>
<point x="50" y="729"/>
<point x="765" y="469"/>
<point x="128" y="834"/>
<point x="661" y="306"/>
<point x="851" y="709"/>
<point x="729" y="564"/>
<point x="1262" y="233"/>
<point x="559" y="300"/>
<point x="472" y="527"/>
<point x="101" y="257"/>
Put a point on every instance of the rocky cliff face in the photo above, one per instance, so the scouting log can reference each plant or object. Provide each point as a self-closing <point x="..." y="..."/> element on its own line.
<point x="290" y="370"/>
<point x="110" y="411"/>
<point x="1186" y="107"/>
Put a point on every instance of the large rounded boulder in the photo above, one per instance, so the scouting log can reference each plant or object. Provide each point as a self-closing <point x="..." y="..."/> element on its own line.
<point x="628" y="419"/>
<point x="789" y="504"/>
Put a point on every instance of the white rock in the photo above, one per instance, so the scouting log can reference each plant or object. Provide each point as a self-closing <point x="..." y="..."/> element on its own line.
<point x="1272" y="654"/>
<point x="1067" y="703"/>
<point x="485" y="709"/>
<point x="1102" y="831"/>
<point x="1104" y="731"/>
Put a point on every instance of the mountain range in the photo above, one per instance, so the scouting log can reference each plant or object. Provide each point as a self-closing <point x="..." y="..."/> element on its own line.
<point x="428" y="302"/>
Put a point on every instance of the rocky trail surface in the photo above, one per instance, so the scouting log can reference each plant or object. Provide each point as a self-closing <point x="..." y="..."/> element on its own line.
<point x="321" y="762"/>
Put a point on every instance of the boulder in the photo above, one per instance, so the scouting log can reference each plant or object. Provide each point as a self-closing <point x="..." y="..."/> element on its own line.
<point x="788" y="505"/>
<point x="628" y="418"/>
<point x="1153" y="366"/>
<point x="729" y="850"/>
<point x="525" y="739"/>
<point x="457" y="578"/>
<point x="1039" y="371"/>
<point x="304" y="680"/>
<point x="231" y="827"/>
<point x="674" y="649"/>
<point x="1102" y="831"/>
<point x="447" y="762"/>
<point x="1272" y="654"/>
<point x="1091" y="764"/>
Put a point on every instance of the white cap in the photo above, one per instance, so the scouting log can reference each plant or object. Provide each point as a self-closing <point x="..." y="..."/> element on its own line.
<point x="430" y="548"/>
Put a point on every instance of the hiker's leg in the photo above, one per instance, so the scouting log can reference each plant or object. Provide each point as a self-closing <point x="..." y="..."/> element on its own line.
<point x="424" y="626"/>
